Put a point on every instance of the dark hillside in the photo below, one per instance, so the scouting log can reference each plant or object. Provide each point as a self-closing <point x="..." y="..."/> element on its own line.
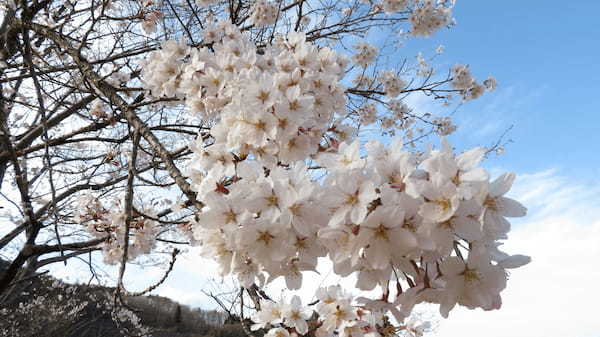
<point x="51" y="308"/>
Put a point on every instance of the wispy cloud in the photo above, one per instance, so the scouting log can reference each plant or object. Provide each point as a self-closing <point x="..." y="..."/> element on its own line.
<point x="483" y="120"/>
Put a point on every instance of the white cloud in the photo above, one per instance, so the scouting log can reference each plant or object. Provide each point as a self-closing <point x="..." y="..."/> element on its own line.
<point x="484" y="120"/>
<point x="190" y="276"/>
<point x="557" y="294"/>
<point x="184" y="296"/>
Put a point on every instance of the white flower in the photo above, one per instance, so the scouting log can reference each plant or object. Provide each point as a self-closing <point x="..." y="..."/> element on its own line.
<point x="514" y="261"/>
<point x="270" y="313"/>
<point x="338" y="242"/>
<point x="309" y="249"/>
<point x="98" y="109"/>
<point x="329" y="295"/>
<point x="496" y="207"/>
<point x="474" y="92"/>
<point x="337" y="313"/>
<point x="348" y="198"/>
<point x="462" y="170"/>
<point x="295" y="148"/>
<point x="384" y="236"/>
<point x="268" y="198"/>
<point x="351" y="329"/>
<point x="392" y="165"/>
<point x="442" y="199"/>
<point x="261" y="95"/>
<point x="278" y="332"/>
<point x="368" y="277"/>
<point x="476" y="283"/>
<point x="347" y="157"/>
<point x="299" y="211"/>
<point x="263" y="240"/>
<point x="295" y="315"/>
<point x="246" y="270"/>
<point x="214" y="244"/>
<point x="214" y="157"/>
<point x="220" y="212"/>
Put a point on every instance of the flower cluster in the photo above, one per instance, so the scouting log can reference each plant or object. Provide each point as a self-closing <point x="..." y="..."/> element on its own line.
<point x="275" y="105"/>
<point x="336" y="311"/>
<point x="392" y="84"/>
<point x="98" y="109"/>
<point x="364" y="81"/>
<point x="444" y="126"/>
<point x="435" y="219"/>
<point x="428" y="16"/>
<point x="464" y="81"/>
<point x="368" y="113"/>
<point x="150" y="21"/>
<point x="420" y="227"/>
<point x="264" y="13"/>
<point x="399" y="119"/>
<point x="365" y="54"/>
<point x="282" y="239"/>
<point x="101" y="221"/>
<point x="394" y="6"/>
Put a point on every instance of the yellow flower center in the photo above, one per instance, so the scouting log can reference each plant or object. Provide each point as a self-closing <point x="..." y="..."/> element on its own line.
<point x="490" y="203"/>
<point x="381" y="232"/>
<point x="265" y="237"/>
<point x="444" y="204"/>
<point x="471" y="275"/>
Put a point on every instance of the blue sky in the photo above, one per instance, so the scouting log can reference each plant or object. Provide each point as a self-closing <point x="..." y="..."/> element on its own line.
<point x="544" y="55"/>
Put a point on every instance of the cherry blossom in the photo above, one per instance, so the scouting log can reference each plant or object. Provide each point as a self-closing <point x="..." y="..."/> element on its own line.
<point x="284" y="180"/>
